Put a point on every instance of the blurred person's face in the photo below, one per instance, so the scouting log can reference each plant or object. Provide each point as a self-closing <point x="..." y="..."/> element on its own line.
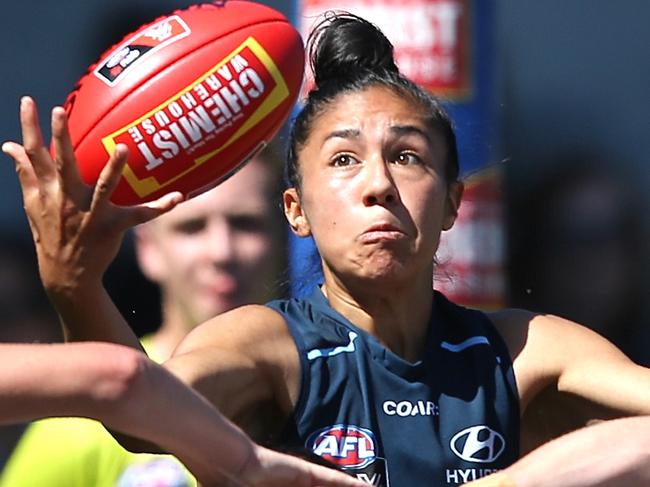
<point x="588" y="269"/>
<point x="216" y="251"/>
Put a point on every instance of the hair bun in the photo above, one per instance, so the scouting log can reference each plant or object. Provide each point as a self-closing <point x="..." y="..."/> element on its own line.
<point x="344" y="44"/>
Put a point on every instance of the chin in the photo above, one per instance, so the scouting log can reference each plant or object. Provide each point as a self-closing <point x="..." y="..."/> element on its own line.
<point x="385" y="265"/>
<point x="393" y="275"/>
<point x="392" y="272"/>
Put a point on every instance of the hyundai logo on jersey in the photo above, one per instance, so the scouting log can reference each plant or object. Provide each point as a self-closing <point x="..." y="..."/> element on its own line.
<point x="478" y="444"/>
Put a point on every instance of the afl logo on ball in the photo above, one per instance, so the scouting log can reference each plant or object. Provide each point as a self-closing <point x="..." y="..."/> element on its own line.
<point x="344" y="445"/>
<point x="135" y="48"/>
<point x="478" y="444"/>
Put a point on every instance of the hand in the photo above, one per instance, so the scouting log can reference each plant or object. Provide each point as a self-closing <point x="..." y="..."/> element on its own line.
<point x="268" y="468"/>
<point x="76" y="229"/>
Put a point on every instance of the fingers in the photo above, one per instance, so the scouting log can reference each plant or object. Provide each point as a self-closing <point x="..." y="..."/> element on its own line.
<point x="24" y="168"/>
<point x="36" y="168"/>
<point x="148" y="211"/>
<point x="128" y="217"/>
<point x="326" y="477"/>
<point x="32" y="136"/>
<point x="27" y="179"/>
<point x="38" y="155"/>
<point x="110" y="175"/>
<point x="64" y="156"/>
<point x="277" y="469"/>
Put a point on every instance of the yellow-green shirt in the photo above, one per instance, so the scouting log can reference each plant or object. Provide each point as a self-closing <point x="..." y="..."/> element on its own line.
<point x="79" y="452"/>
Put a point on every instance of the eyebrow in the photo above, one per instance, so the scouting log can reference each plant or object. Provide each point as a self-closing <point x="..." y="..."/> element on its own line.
<point x="396" y="129"/>
<point x="411" y="130"/>
<point x="343" y="134"/>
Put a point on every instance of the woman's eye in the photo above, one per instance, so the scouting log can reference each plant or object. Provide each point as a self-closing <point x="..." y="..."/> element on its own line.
<point x="343" y="160"/>
<point x="406" y="158"/>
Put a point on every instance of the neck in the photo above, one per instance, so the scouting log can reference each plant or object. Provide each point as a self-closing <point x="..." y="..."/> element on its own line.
<point x="398" y="316"/>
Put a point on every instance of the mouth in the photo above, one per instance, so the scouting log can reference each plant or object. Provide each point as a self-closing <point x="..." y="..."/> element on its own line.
<point x="382" y="232"/>
<point x="224" y="285"/>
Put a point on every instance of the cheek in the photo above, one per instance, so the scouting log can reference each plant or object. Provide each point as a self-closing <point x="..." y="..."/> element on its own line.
<point x="183" y="256"/>
<point x="327" y="202"/>
<point x="427" y="209"/>
<point x="253" y="249"/>
<point x="184" y="264"/>
<point x="329" y="224"/>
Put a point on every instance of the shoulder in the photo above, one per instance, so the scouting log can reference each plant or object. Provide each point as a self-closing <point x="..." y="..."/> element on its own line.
<point x="247" y="351"/>
<point x="528" y="333"/>
<point x="251" y="329"/>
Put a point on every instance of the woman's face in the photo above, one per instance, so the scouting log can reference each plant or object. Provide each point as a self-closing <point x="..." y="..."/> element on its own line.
<point x="373" y="192"/>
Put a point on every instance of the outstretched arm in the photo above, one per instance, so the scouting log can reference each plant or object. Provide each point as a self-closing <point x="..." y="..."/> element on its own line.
<point x="607" y="454"/>
<point x="565" y="368"/>
<point x="126" y="391"/>
<point x="77" y="231"/>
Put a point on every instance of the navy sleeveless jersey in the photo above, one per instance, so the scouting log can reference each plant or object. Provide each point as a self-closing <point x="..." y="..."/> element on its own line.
<point x="447" y="419"/>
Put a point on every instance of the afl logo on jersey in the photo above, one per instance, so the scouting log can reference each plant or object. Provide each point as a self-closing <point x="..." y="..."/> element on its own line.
<point x="478" y="444"/>
<point x="344" y="445"/>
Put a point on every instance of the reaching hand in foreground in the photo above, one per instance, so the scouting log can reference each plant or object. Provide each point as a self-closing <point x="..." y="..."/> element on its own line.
<point x="607" y="454"/>
<point x="129" y="393"/>
<point x="268" y="468"/>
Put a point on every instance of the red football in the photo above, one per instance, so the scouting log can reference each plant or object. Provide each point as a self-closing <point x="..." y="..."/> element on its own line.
<point x="193" y="95"/>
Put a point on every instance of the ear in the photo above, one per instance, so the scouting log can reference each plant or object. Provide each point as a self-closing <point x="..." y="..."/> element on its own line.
<point x="454" y="197"/>
<point x="150" y="259"/>
<point x="293" y="211"/>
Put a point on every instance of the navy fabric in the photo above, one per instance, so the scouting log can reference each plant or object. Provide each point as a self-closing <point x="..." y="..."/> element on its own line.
<point x="447" y="419"/>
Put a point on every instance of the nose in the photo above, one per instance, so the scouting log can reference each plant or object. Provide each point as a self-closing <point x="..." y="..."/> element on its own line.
<point x="379" y="187"/>
<point x="219" y="242"/>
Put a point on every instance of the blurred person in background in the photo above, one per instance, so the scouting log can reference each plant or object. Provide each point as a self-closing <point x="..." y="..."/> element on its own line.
<point x="217" y="251"/>
<point x="582" y="256"/>
<point x="582" y="253"/>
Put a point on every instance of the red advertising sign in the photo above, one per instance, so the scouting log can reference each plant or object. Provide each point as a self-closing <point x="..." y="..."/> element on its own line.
<point x="431" y="37"/>
<point x="470" y="255"/>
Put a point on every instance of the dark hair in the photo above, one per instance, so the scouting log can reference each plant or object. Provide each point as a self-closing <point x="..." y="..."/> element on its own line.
<point x="347" y="54"/>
